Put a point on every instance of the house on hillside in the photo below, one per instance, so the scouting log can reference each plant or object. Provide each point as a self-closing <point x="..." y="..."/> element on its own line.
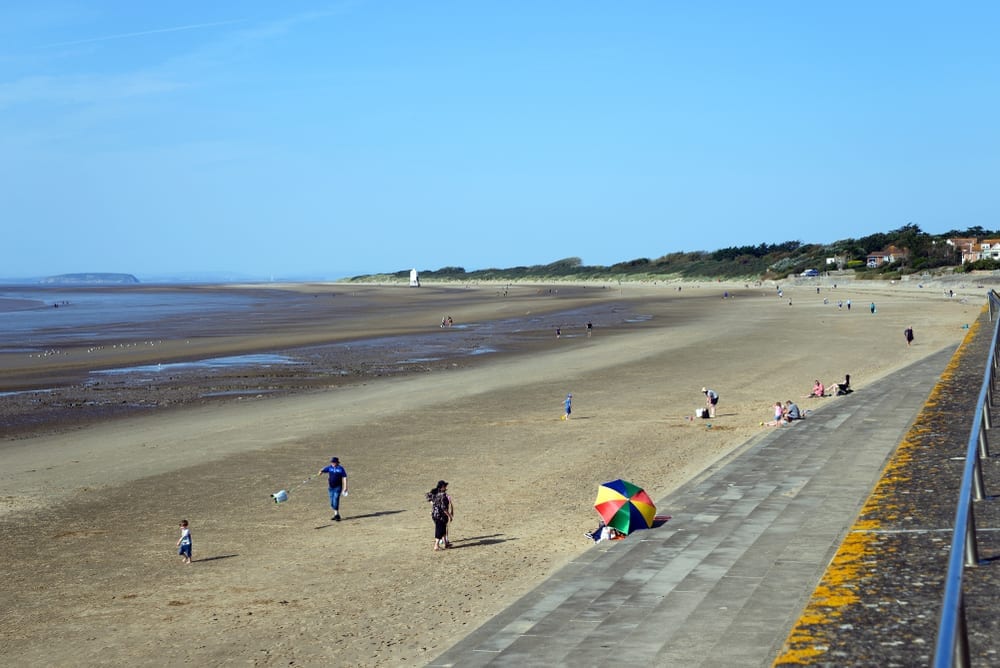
<point x="989" y="249"/>
<point x="967" y="246"/>
<point x="974" y="249"/>
<point x="887" y="256"/>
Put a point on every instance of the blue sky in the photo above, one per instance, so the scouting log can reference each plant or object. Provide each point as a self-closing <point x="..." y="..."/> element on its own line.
<point x="319" y="140"/>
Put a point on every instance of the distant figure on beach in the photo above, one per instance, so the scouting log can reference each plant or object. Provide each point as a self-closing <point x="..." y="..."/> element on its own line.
<point x="337" y="485"/>
<point x="872" y="308"/>
<point x="444" y="322"/>
<point x="184" y="543"/>
<point x="558" y="332"/>
<point x="845" y="387"/>
<point x="711" y="400"/>
<point x="792" y="411"/>
<point x="908" y="335"/>
<point x="818" y="390"/>
<point x="442" y="512"/>
<point x="567" y="406"/>
<point x="450" y="321"/>
<point x="590" y="328"/>
<point x="848" y="304"/>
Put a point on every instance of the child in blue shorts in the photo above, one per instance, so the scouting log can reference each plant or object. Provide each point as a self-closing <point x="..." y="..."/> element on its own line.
<point x="184" y="542"/>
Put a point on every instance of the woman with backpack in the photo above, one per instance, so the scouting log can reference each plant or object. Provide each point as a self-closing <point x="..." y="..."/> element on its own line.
<point x="442" y="512"/>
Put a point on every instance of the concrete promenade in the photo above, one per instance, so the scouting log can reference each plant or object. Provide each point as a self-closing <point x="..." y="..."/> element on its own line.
<point x="724" y="581"/>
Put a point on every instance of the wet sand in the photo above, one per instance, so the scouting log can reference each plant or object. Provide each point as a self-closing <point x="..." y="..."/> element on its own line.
<point x="89" y="513"/>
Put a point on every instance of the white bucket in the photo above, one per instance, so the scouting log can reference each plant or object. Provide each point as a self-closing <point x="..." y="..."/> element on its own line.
<point x="280" y="496"/>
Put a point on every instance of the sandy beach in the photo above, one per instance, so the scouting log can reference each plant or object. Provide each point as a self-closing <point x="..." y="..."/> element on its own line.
<point x="89" y="507"/>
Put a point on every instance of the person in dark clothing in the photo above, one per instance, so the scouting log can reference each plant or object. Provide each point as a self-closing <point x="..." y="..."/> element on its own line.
<point x="442" y="512"/>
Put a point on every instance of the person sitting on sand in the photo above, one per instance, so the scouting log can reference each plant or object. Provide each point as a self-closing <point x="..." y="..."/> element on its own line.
<point x="603" y="532"/>
<point x="792" y="411"/>
<point x="844" y="387"/>
<point x="595" y="535"/>
<point x="818" y="390"/>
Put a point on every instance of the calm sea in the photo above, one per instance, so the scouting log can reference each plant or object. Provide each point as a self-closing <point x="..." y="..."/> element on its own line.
<point x="36" y="319"/>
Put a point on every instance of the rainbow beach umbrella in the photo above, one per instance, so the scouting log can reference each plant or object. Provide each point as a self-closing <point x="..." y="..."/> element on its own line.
<point x="625" y="506"/>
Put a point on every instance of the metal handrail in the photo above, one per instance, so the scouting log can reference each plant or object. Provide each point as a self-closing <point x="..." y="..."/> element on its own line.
<point x="952" y="648"/>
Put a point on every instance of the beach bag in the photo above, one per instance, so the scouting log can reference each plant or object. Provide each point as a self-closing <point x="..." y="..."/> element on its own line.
<point x="701" y="412"/>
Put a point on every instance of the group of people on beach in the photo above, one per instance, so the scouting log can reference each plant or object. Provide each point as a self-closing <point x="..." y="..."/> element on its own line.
<point x="790" y="412"/>
<point x="442" y="505"/>
<point x="442" y="509"/>
<point x="784" y="414"/>
<point x="834" y="389"/>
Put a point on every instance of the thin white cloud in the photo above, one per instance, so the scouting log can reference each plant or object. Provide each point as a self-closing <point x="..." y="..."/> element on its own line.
<point x="142" y="33"/>
<point x="82" y="89"/>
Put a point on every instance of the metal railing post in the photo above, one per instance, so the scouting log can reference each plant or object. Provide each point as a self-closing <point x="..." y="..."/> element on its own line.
<point x="961" y="653"/>
<point x="978" y="487"/>
<point x="971" y="549"/>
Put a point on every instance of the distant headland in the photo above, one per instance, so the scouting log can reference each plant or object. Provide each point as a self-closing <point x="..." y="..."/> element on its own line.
<point x="90" y="279"/>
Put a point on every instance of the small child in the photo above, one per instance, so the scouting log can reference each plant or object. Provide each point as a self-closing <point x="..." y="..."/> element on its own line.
<point x="184" y="543"/>
<point x="568" y="404"/>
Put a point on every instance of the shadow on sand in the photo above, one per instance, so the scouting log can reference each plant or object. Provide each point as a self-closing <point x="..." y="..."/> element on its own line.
<point x="477" y="541"/>
<point x="221" y="556"/>
<point x="361" y="517"/>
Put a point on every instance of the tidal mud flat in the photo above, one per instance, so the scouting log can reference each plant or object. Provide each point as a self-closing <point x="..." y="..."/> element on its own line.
<point x="63" y="376"/>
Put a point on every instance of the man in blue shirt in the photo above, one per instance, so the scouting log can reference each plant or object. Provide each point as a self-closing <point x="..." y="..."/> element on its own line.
<point x="338" y="484"/>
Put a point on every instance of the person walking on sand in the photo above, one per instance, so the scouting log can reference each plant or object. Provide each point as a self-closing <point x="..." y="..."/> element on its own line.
<point x="590" y="328"/>
<point x="711" y="400"/>
<point x="184" y="543"/>
<point x="567" y="406"/>
<point x="338" y="485"/>
<point x="908" y="335"/>
<point x="442" y="512"/>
